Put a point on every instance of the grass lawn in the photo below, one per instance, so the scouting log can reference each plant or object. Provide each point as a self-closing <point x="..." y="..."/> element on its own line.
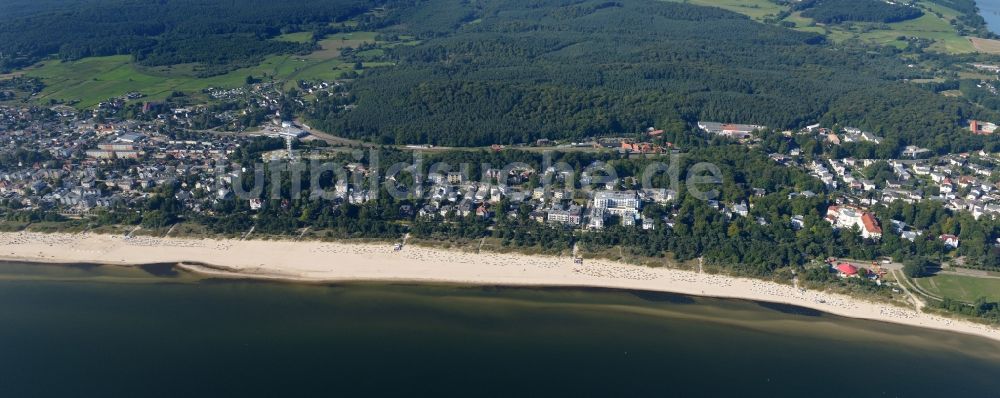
<point x="370" y="54"/>
<point x="297" y="37"/>
<point x="10" y="226"/>
<point x="332" y="45"/>
<point x="92" y="80"/>
<point x="71" y="226"/>
<point x="947" y="13"/>
<point x="928" y="26"/>
<point x="802" y="23"/>
<point x="976" y="75"/>
<point x="756" y="9"/>
<point x="95" y="79"/>
<point x="964" y="288"/>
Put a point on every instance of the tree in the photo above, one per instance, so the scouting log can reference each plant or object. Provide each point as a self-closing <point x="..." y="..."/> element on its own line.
<point x="916" y="268"/>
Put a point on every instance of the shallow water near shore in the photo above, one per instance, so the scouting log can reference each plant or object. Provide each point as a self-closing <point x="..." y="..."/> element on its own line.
<point x="151" y="331"/>
<point x="990" y="11"/>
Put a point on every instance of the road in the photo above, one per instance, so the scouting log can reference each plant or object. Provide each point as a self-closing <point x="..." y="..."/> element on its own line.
<point x="903" y="282"/>
<point x="922" y="291"/>
<point x="341" y="141"/>
<point x="332" y="139"/>
<point x="972" y="273"/>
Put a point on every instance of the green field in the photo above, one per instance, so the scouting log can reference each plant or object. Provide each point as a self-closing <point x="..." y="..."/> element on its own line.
<point x="298" y="37"/>
<point x="964" y="288"/>
<point x="756" y="9"/>
<point x="96" y="79"/>
<point x="92" y="80"/>
<point x="929" y="26"/>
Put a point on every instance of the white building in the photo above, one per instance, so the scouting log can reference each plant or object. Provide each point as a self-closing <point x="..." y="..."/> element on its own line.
<point x="850" y="216"/>
<point x="624" y="204"/>
<point x="571" y="216"/>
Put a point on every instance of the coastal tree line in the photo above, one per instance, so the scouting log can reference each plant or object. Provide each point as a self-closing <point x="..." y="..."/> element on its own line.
<point x="758" y="244"/>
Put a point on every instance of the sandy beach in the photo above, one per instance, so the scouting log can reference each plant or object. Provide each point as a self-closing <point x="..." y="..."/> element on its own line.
<point x="337" y="262"/>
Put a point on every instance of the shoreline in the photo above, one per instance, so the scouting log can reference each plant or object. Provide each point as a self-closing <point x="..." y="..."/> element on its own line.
<point x="992" y="21"/>
<point x="332" y="262"/>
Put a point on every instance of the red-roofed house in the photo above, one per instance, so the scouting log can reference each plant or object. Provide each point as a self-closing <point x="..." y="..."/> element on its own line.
<point x="640" y="147"/>
<point x="950" y="240"/>
<point x="964" y="181"/>
<point x="484" y="211"/>
<point x="978" y="127"/>
<point x="871" y="228"/>
<point x="850" y="216"/>
<point x="847" y="270"/>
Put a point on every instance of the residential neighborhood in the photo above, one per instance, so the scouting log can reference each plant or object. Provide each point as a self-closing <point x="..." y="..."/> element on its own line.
<point x="81" y="162"/>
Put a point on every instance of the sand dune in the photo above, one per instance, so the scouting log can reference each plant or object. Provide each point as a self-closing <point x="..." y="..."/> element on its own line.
<point x="324" y="261"/>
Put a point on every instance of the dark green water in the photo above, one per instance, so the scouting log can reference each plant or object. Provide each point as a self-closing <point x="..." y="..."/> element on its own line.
<point x="108" y="331"/>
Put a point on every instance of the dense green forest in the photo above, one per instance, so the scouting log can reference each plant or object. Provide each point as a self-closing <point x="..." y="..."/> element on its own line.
<point x="836" y="11"/>
<point x="222" y="33"/>
<point x="516" y="71"/>
<point x="22" y="8"/>
<point x="980" y="93"/>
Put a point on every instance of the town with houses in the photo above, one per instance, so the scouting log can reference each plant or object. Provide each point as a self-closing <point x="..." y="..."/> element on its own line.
<point x="963" y="182"/>
<point x="70" y="162"/>
<point x="335" y="187"/>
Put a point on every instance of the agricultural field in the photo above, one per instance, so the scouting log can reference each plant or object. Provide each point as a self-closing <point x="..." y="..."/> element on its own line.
<point x="929" y="26"/>
<point x="988" y="46"/>
<point x="332" y="44"/>
<point x="92" y="80"/>
<point x="297" y="37"/>
<point x="756" y="9"/>
<point x="958" y="287"/>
